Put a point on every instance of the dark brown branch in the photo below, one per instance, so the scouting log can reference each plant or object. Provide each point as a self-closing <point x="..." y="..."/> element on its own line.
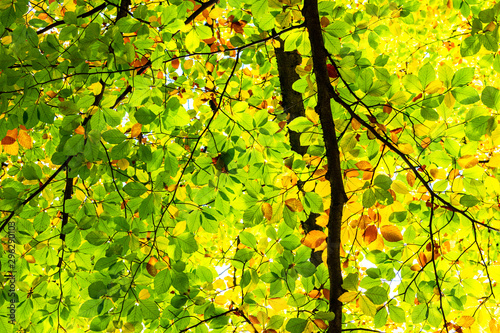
<point x="200" y="10"/>
<point x="58" y="23"/>
<point x="123" y="9"/>
<point x="334" y="174"/>
<point x="68" y="193"/>
<point x="207" y="320"/>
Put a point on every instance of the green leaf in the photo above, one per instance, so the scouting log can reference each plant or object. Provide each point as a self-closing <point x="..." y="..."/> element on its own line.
<point x="351" y="282"/>
<point x="296" y="325"/>
<point x="144" y="116"/>
<point x="380" y="318"/>
<point x="490" y="97"/>
<point x="96" y="237"/>
<point x="300" y="124"/>
<point x="337" y="29"/>
<point x="89" y="309"/>
<point x="470" y="46"/>
<point x="135" y="189"/>
<point x="97" y="289"/>
<point x="466" y="95"/>
<point x="369" y="198"/>
<point x="397" y="314"/>
<point x="113" y="136"/>
<point x="162" y="282"/>
<point x="383" y="182"/>
<point x="468" y="200"/>
<point x="412" y="84"/>
<point x="377" y="295"/>
<point x="188" y="243"/>
<point x="462" y="77"/>
<point x="426" y="74"/>
<point x="248" y="239"/>
<point x="314" y="202"/>
<point x="68" y="108"/>
<point x="419" y="313"/>
<point x="74" y="145"/>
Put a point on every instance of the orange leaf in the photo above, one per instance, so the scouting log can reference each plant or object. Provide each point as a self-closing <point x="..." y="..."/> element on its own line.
<point x="136" y="130"/>
<point x="326" y="292"/>
<point x="80" y="130"/>
<point x="364" y="165"/>
<point x="315" y="293"/>
<point x="410" y="178"/>
<point x="175" y="63"/>
<point x="8" y="140"/>
<point x="150" y="266"/>
<point x="25" y="140"/>
<point x="321" y="324"/>
<point x="294" y="205"/>
<point x="391" y="233"/>
<point x="387" y="109"/>
<point x="370" y="234"/>
<point x="314" y="239"/>
<point x="267" y="210"/>
<point x="254" y="320"/>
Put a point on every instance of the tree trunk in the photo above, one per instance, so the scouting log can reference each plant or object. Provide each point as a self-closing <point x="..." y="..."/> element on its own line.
<point x="338" y="196"/>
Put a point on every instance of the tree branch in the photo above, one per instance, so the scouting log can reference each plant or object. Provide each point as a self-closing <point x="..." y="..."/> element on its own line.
<point x="58" y="23"/>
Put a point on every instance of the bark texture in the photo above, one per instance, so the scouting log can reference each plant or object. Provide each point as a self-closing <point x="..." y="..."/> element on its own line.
<point x="338" y="196"/>
<point x="293" y="104"/>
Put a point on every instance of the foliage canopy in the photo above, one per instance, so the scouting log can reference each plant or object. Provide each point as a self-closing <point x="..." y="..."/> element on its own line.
<point x="250" y="165"/>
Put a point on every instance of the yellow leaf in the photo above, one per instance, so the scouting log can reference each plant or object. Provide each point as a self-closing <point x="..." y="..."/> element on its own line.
<point x="96" y="88"/>
<point x="312" y="115"/>
<point x="29" y="258"/>
<point x="294" y="205"/>
<point x="136" y="130"/>
<point x="11" y="149"/>
<point x="6" y="40"/>
<point x="144" y="294"/>
<point x="188" y="64"/>
<point x="267" y="210"/>
<point x="179" y="228"/>
<point x="405" y="148"/>
<point x="467" y="161"/>
<point x="314" y="238"/>
<point x="25" y="139"/>
<point x="122" y="163"/>
<point x="399" y="98"/>
<point x="494" y="161"/>
<point x="219" y="284"/>
<point x="466" y="321"/>
<point x="391" y="233"/>
<point x="433" y="87"/>
<point x="278" y="304"/>
<point x="449" y="100"/>
<point x="128" y="328"/>
<point x="367" y="306"/>
<point x="348" y="296"/>
<point x="99" y="210"/>
<point x="399" y="187"/>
